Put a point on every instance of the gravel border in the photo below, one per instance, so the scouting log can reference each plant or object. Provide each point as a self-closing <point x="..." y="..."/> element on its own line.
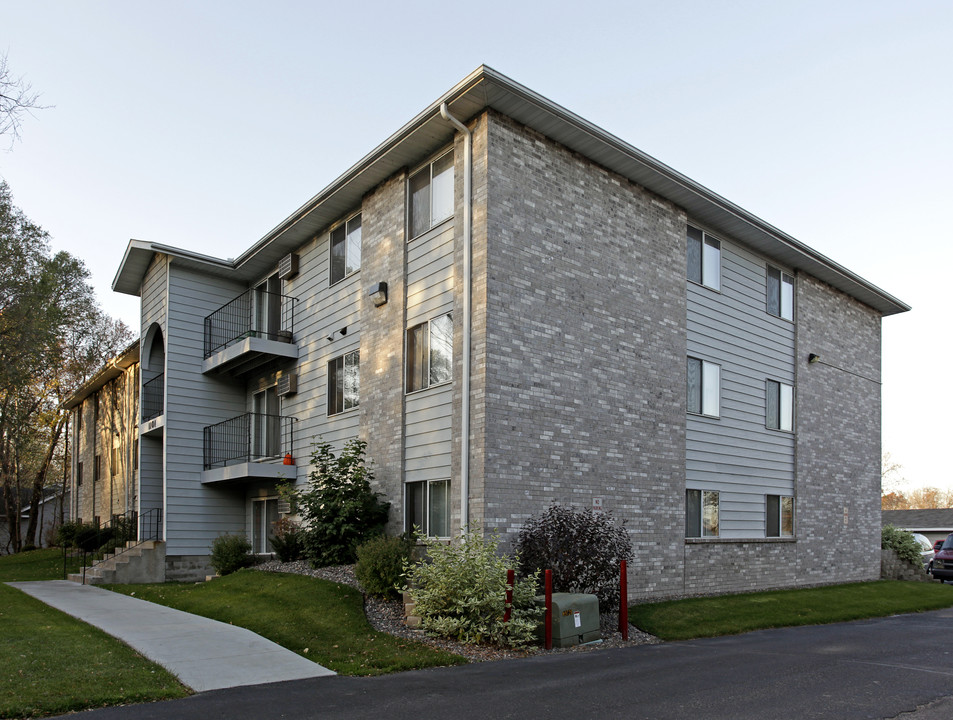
<point x="388" y="616"/>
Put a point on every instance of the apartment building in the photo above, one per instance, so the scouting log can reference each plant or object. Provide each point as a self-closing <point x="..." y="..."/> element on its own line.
<point x="513" y="308"/>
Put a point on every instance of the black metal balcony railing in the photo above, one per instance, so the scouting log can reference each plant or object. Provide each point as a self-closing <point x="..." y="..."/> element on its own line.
<point x="153" y="398"/>
<point x="247" y="438"/>
<point x="254" y="313"/>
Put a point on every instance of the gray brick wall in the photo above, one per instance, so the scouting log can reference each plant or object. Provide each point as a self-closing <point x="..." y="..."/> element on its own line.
<point x="382" y="340"/>
<point x="838" y="436"/>
<point x="585" y="348"/>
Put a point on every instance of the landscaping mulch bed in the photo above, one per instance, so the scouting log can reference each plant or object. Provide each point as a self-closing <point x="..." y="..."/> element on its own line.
<point x="388" y="616"/>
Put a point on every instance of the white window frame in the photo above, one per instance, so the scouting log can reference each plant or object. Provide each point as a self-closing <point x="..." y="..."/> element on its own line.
<point x="708" y="272"/>
<point x="783" y="397"/>
<point x="426" y="353"/>
<point x="709" y="397"/>
<point x="769" y="510"/>
<point x="701" y="528"/>
<point x="258" y="533"/>
<point x="350" y="359"/>
<point x="782" y="296"/>
<point x="426" y="511"/>
<point x="345" y="233"/>
<point x="436" y="214"/>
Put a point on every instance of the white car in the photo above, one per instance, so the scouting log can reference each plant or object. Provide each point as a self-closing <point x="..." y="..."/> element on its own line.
<point x="927" y="551"/>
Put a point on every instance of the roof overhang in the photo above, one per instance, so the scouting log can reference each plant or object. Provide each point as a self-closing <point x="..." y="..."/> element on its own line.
<point x="112" y="369"/>
<point x="485" y="88"/>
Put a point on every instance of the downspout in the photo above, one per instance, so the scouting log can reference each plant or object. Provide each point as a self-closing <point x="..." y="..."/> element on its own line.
<point x="467" y="282"/>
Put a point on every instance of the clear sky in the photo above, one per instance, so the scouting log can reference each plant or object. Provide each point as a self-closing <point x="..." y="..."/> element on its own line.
<point x="204" y="124"/>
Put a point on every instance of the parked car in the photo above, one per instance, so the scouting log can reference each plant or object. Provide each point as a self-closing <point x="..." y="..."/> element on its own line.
<point x="926" y="550"/>
<point x="937" y="544"/>
<point x="943" y="562"/>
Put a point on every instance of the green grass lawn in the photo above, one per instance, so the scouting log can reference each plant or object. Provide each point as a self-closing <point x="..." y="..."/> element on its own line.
<point x="52" y="663"/>
<point x="732" y="614"/>
<point x="320" y="620"/>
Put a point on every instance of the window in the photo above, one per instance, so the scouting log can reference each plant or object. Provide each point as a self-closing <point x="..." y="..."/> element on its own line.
<point x="701" y="513"/>
<point x="114" y="456"/>
<point x="79" y="474"/>
<point x="268" y="308"/>
<point x="704" y="259"/>
<point x="344" y="382"/>
<point x="431" y="195"/>
<point x="346" y="249"/>
<point x="704" y="387"/>
<point x="264" y="515"/>
<point x="135" y="453"/>
<point x="780" y="294"/>
<point x="779" y="516"/>
<point x="97" y="463"/>
<point x="427" y="507"/>
<point x="430" y="353"/>
<point x="779" y="406"/>
<point x="266" y="423"/>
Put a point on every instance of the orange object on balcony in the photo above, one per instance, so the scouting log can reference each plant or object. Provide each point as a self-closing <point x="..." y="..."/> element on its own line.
<point x="289" y="460"/>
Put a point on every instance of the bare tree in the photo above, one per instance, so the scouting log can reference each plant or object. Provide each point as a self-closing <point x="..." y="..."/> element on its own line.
<point x="17" y="98"/>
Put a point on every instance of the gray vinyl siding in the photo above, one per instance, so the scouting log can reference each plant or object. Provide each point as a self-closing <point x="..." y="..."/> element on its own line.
<point x="428" y="413"/>
<point x="195" y="514"/>
<point x="321" y="310"/>
<point x="153" y="294"/>
<point x="735" y="453"/>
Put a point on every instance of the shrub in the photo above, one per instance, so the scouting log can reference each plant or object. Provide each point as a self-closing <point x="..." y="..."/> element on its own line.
<point x="583" y="549"/>
<point x="288" y="540"/>
<point x="459" y="592"/>
<point x="230" y="553"/>
<point x="902" y="543"/>
<point x="28" y="547"/>
<point x="380" y="564"/>
<point x="338" y="507"/>
<point x="66" y="533"/>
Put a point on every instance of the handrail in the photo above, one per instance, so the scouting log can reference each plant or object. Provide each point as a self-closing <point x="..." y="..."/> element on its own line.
<point x="153" y="397"/>
<point x="121" y="533"/>
<point x="248" y="438"/>
<point x="254" y="313"/>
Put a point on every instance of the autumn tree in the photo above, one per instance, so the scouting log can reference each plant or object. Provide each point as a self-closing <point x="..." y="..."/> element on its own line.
<point x="17" y="98"/>
<point x="52" y="336"/>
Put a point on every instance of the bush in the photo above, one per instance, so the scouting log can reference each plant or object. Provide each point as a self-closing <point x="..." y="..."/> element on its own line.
<point x="583" y="549"/>
<point x="339" y="509"/>
<point x="902" y="543"/>
<point x="288" y="540"/>
<point x="380" y="565"/>
<point x="459" y="592"/>
<point x="230" y="553"/>
<point x="66" y="533"/>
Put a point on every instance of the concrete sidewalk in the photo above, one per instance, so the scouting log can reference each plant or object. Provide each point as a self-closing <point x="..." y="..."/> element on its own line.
<point x="204" y="654"/>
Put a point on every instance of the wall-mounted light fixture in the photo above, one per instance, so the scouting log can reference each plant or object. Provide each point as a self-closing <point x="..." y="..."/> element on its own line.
<point x="378" y="294"/>
<point x="342" y="332"/>
<point x="813" y="358"/>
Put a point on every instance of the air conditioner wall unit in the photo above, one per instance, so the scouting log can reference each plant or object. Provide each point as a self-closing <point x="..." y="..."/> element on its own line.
<point x="287" y="384"/>
<point x="288" y="266"/>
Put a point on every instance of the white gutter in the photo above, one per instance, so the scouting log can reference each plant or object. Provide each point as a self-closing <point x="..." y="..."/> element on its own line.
<point x="467" y="282"/>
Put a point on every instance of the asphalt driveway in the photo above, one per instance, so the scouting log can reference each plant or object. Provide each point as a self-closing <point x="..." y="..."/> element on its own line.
<point x="869" y="669"/>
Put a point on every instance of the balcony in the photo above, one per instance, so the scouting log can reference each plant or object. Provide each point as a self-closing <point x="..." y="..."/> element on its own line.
<point x="252" y="329"/>
<point x="153" y="406"/>
<point x="250" y="446"/>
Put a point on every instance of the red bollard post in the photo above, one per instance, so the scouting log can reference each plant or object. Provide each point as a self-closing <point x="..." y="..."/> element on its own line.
<point x="509" y="595"/>
<point x="623" y="602"/>
<point x="549" y="609"/>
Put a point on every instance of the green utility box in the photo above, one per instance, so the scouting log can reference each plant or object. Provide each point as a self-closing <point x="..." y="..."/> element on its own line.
<point x="575" y="619"/>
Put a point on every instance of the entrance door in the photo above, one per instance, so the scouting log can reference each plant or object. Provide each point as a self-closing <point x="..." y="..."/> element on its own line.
<point x="264" y="513"/>
<point x="268" y="308"/>
<point x="266" y="424"/>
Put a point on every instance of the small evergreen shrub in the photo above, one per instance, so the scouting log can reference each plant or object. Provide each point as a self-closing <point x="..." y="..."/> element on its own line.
<point x="338" y="507"/>
<point x="66" y="533"/>
<point x="230" y="553"/>
<point x="902" y="543"/>
<point x="380" y="564"/>
<point x="28" y="547"/>
<point x="459" y="592"/>
<point x="288" y="540"/>
<point x="583" y="548"/>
